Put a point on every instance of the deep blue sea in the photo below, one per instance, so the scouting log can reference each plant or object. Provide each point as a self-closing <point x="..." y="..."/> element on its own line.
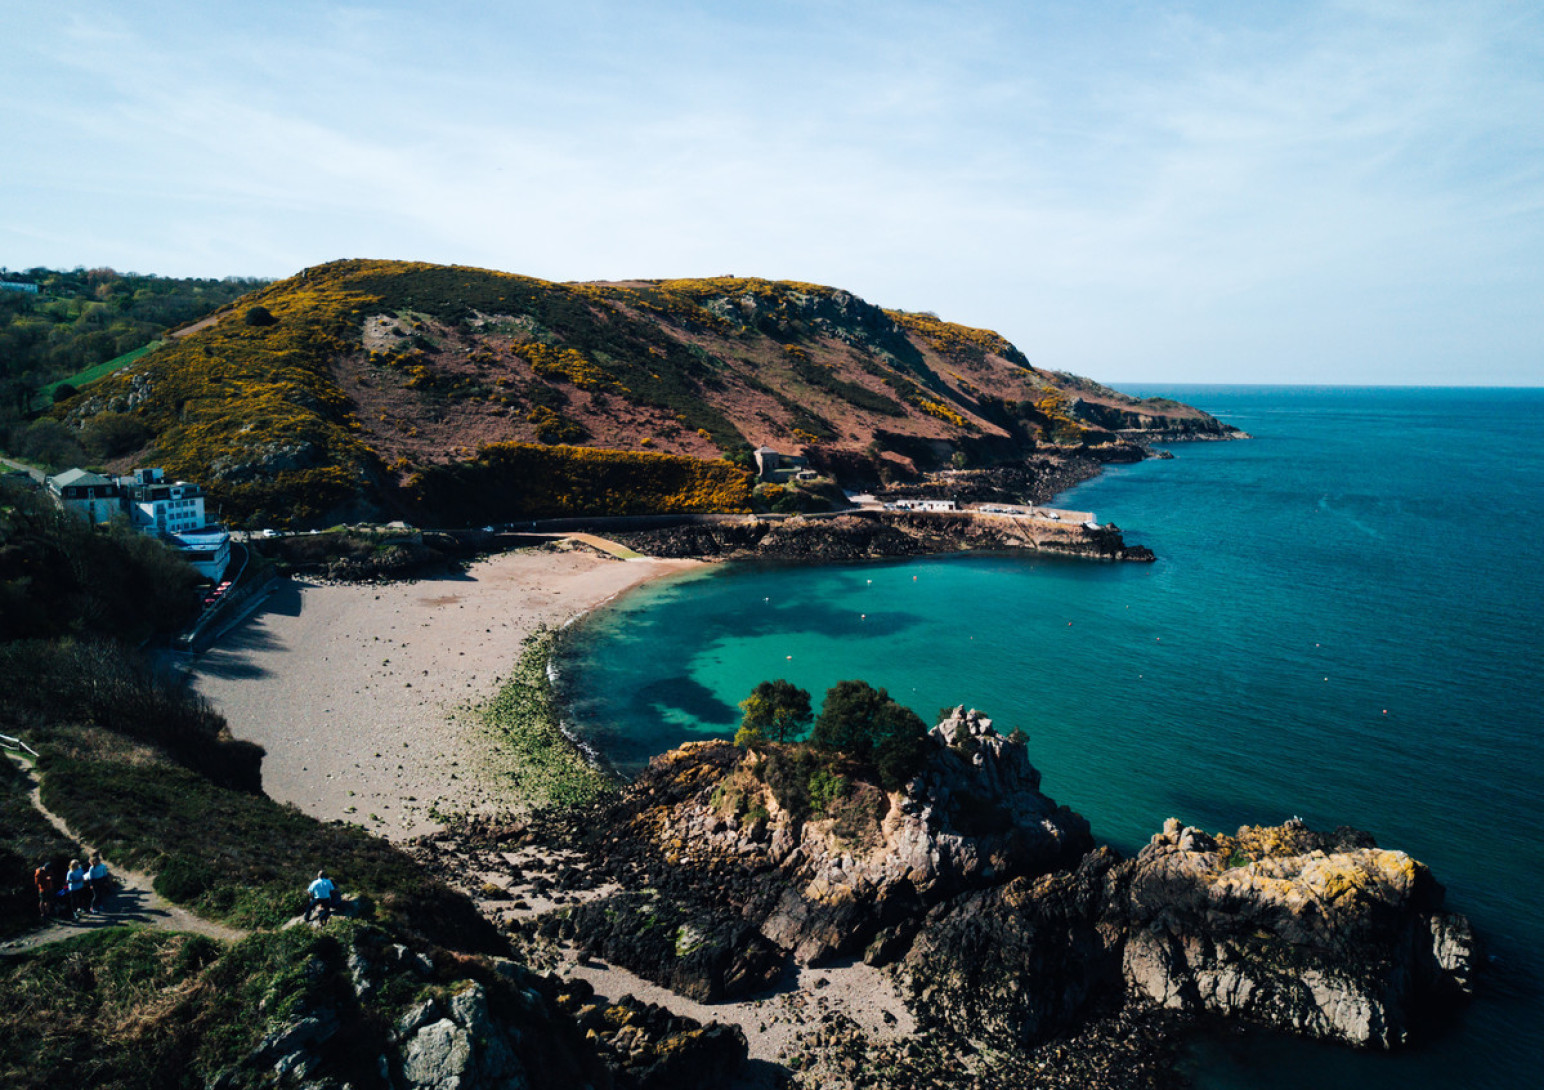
<point x="1345" y="623"/>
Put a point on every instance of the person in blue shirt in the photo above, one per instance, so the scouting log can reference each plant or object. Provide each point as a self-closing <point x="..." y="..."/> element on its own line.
<point x="75" y="887"/>
<point x="96" y="879"/>
<point x="323" y="891"/>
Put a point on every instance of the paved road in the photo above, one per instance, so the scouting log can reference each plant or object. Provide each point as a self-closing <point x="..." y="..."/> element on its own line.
<point x="31" y="471"/>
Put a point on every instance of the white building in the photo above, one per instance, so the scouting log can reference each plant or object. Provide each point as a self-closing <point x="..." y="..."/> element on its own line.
<point x="173" y="511"/>
<point x="209" y="552"/>
<point x="90" y="495"/>
<point x="156" y="506"/>
<point x="772" y="465"/>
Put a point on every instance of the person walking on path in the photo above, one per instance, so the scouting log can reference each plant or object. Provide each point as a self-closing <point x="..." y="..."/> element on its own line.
<point x="97" y="879"/>
<point x="324" y="895"/>
<point x="75" y="885"/>
<point x="47" y="885"/>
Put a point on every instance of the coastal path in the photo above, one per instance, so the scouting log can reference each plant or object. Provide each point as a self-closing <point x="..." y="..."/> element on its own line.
<point x="133" y="900"/>
<point x="607" y="546"/>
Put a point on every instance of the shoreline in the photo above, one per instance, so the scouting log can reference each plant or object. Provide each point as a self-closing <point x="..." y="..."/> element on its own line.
<point x="362" y="694"/>
<point x="364" y="725"/>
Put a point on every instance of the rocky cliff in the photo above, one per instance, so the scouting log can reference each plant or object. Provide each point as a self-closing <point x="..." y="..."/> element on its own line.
<point x="380" y="1013"/>
<point x="1324" y="934"/>
<point x="749" y="857"/>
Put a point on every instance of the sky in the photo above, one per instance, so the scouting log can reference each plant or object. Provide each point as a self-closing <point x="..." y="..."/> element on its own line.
<point x="1313" y="192"/>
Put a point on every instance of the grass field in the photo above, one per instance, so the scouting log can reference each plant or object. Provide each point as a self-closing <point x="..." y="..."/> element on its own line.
<point x="45" y="396"/>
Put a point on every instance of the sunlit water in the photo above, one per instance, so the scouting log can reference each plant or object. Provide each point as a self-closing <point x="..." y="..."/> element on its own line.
<point x="1344" y="624"/>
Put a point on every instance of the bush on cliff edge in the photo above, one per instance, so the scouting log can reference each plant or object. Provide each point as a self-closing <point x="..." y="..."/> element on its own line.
<point x="871" y="726"/>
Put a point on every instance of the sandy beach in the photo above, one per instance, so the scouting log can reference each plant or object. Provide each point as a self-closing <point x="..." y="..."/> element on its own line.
<point x="359" y="693"/>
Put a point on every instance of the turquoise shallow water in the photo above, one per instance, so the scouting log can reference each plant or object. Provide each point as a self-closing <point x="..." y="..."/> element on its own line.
<point x="1344" y="624"/>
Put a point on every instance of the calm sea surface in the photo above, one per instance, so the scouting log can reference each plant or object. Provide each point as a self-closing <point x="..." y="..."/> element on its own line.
<point x="1345" y="622"/>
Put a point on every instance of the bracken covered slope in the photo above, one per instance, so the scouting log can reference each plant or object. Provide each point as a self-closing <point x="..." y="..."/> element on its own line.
<point x="375" y="387"/>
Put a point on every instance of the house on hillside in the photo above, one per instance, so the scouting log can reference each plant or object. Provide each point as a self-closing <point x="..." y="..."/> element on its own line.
<point x="772" y="465"/>
<point x="171" y="510"/>
<point x="18" y="285"/>
<point x="92" y="496"/>
<point x="158" y="506"/>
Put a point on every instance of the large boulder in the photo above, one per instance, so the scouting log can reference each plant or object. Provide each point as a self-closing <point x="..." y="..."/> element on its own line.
<point x="792" y="850"/>
<point x="1327" y="935"/>
<point x="1321" y="934"/>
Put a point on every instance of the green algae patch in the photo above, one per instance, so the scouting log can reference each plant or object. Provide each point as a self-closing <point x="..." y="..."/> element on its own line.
<point x="544" y="767"/>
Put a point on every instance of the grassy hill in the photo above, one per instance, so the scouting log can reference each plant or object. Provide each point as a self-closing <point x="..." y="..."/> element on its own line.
<point x="372" y="387"/>
<point x="77" y="319"/>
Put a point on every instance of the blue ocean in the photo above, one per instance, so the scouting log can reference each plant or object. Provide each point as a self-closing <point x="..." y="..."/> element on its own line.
<point x="1345" y="623"/>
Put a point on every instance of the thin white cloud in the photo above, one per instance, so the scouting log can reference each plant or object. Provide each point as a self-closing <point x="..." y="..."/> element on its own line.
<point x="1188" y="193"/>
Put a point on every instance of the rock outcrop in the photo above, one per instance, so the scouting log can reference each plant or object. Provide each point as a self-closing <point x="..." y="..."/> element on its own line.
<point x="1324" y="935"/>
<point x="873" y="534"/>
<point x="1151" y="426"/>
<point x="380" y="1013"/>
<point x="777" y="850"/>
<point x="1000" y="921"/>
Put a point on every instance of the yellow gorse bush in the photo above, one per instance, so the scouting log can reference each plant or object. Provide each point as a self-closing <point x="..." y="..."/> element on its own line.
<point x="952" y="339"/>
<point x="567" y="363"/>
<point x="523" y="480"/>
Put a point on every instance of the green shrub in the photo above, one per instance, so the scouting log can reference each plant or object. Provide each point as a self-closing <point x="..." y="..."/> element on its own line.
<point x="871" y="726"/>
<point x="185" y="878"/>
<point x="110" y="434"/>
<point x="74" y="684"/>
<point x="825" y="788"/>
<point x="524" y="480"/>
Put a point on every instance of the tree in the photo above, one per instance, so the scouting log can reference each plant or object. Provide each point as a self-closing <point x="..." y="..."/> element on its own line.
<point x="110" y="434"/>
<point x="777" y="711"/>
<point x="260" y="316"/>
<point x="51" y="443"/>
<point x="870" y="725"/>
